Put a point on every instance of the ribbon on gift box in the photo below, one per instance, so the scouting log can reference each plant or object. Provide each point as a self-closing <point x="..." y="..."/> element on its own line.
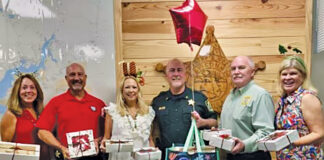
<point x="16" y="148"/>
<point x="148" y="151"/>
<point x="14" y="152"/>
<point x="119" y="142"/>
<point x="82" y="142"/>
<point x="223" y="136"/>
<point x="276" y="135"/>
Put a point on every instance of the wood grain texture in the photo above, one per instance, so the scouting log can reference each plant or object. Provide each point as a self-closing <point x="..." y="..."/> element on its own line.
<point x="231" y="47"/>
<point x="242" y="27"/>
<point x="222" y="9"/>
<point x="118" y="38"/>
<point x="234" y="28"/>
<point x="147" y="66"/>
<point x="309" y="33"/>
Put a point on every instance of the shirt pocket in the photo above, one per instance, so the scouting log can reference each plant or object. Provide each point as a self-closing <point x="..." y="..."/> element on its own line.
<point x="244" y="113"/>
<point x="186" y="115"/>
<point x="163" y="117"/>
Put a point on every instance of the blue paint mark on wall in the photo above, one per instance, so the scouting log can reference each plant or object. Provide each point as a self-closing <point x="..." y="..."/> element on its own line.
<point x="9" y="77"/>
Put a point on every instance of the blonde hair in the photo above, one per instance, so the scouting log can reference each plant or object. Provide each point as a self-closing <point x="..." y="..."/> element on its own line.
<point x="299" y="64"/>
<point x="14" y="102"/>
<point x="121" y="104"/>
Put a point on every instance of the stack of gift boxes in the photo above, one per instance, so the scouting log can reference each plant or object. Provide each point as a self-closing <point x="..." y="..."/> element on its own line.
<point x="148" y="153"/>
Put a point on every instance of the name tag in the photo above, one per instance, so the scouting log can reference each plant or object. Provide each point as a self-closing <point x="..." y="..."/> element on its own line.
<point x="161" y="108"/>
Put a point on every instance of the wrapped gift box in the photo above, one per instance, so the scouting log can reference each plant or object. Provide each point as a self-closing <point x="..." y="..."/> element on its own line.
<point x="207" y="134"/>
<point x="119" y="146"/>
<point x="177" y="153"/>
<point x="223" y="141"/>
<point x="19" y="151"/>
<point x="148" y="153"/>
<point x="277" y="140"/>
<point x="81" y="143"/>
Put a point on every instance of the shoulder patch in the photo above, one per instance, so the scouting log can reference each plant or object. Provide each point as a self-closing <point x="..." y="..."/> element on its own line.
<point x="210" y="108"/>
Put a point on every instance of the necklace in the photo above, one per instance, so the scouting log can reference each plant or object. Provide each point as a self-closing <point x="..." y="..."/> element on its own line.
<point x="130" y="123"/>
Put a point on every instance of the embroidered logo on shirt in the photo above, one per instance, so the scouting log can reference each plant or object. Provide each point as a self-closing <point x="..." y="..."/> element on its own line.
<point x="93" y="108"/>
<point x="162" y="108"/>
<point x="246" y="100"/>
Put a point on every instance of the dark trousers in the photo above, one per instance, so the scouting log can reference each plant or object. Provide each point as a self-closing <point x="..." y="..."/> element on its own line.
<point x="163" y="153"/>
<point x="258" y="155"/>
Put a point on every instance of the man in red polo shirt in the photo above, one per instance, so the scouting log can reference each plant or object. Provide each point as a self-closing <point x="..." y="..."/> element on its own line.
<point x="74" y="110"/>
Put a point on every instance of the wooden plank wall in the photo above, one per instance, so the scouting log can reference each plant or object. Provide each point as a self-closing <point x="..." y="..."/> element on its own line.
<point x="146" y="34"/>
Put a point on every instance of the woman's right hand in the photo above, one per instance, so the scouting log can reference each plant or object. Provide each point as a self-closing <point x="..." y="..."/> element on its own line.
<point x="103" y="145"/>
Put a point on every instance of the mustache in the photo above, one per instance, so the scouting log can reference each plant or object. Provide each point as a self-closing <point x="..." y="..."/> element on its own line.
<point x="237" y="76"/>
<point x="176" y="77"/>
<point x="77" y="81"/>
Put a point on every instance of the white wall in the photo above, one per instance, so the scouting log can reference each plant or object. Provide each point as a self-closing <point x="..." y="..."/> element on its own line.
<point x="48" y="35"/>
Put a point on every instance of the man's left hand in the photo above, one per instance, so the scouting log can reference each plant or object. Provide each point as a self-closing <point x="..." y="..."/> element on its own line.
<point x="239" y="146"/>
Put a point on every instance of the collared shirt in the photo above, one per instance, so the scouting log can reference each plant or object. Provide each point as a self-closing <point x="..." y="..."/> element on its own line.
<point x="249" y="113"/>
<point x="71" y="115"/>
<point x="173" y="114"/>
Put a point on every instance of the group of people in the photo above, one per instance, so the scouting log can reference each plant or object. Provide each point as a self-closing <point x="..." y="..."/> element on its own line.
<point x="248" y="111"/>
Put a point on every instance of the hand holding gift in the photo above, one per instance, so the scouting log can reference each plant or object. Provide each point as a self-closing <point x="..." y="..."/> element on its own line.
<point x="65" y="152"/>
<point x="239" y="146"/>
<point x="278" y="140"/>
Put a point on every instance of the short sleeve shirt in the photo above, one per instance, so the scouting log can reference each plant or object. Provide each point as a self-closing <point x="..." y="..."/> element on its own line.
<point x="71" y="115"/>
<point x="173" y="114"/>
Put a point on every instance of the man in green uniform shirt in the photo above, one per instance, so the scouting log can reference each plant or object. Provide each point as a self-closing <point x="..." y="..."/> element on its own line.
<point x="248" y="111"/>
<point x="174" y="108"/>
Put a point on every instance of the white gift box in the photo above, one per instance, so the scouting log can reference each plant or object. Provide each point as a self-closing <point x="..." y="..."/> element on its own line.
<point x="223" y="141"/>
<point x="19" y="151"/>
<point x="81" y="144"/>
<point x="119" y="146"/>
<point x="278" y="140"/>
<point x="148" y="153"/>
<point x="207" y="134"/>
